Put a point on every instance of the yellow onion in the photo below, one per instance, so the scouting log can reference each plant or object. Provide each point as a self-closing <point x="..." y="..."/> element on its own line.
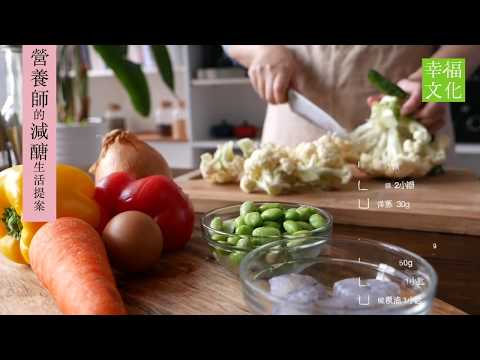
<point x="123" y="151"/>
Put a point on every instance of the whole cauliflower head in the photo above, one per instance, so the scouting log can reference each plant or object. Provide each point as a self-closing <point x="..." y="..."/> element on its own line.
<point x="393" y="146"/>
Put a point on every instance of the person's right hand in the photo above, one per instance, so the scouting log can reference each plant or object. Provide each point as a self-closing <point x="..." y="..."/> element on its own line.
<point x="272" y="73"/>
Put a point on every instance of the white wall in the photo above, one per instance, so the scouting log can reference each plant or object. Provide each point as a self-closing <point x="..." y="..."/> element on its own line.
<point x="104" y="90"/>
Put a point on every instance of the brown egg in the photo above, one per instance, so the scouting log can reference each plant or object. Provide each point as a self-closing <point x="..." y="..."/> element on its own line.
<point x="134" y="241"/>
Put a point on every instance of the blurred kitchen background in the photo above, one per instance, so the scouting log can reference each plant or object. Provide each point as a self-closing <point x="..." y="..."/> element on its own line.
<point x="214" y="101"/>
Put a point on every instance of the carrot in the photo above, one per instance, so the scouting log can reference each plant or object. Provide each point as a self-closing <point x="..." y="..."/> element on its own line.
<point x="70" y="260"/>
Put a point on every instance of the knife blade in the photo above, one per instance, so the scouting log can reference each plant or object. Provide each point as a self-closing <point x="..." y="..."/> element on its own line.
<point x="314" y="114"/>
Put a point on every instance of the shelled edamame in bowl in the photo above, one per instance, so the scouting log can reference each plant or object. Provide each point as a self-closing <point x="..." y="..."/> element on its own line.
<point x="235" y="230"/>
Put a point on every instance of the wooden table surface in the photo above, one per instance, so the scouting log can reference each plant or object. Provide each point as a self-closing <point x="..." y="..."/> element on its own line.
<point x="456" y="258"/>
<point x="449" y="203"/>
<point x="190" y="282"/>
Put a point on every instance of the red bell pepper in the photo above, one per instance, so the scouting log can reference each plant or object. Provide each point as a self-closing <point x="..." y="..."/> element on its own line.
<point x="157" y="196"/>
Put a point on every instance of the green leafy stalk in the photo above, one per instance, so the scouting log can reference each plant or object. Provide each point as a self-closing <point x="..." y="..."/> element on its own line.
<point x="437" y="170"/>
<point x="385" y="86"/>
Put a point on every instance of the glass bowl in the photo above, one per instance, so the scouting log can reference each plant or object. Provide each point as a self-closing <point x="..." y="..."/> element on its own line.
<point x="333" y="261"/>
<point x="230" y="256"/>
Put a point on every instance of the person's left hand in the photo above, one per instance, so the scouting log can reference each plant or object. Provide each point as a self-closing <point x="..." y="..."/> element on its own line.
<point x="432" y="115"/>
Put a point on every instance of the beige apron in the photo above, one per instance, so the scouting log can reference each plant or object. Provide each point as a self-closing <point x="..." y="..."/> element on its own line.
<point x="335" y="78"/>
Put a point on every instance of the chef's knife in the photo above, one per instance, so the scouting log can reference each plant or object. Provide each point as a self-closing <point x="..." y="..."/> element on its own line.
<point x="313" y="114"/>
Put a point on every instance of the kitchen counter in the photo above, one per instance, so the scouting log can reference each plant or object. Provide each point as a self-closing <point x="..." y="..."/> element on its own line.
<point x="190" y="281"/>
<point x="456" y="258"/>
<point x="187" y="282"/>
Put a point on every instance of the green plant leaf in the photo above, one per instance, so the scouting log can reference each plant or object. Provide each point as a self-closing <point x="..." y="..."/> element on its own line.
<point x="164" y="64"/>
<point x="123" y="50"/>
<point x="65" y="99"/>
<point x="129" y="74"/>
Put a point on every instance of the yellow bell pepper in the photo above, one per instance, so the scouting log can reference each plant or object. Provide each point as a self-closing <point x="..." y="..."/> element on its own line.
<point x="75" y="198"/>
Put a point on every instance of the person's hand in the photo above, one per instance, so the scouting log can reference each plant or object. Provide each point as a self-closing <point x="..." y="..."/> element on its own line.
<point x="432" y="115"/>
<point x="272" y="73"/>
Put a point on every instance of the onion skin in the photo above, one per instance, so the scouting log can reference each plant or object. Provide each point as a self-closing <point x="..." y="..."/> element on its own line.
<point x="123" y="151"/>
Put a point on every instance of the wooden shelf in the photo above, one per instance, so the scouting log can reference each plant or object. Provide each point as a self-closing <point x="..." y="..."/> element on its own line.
<point x="220" y="81"/>
<point x="156" y="137"/>
<point x="472" y="149"/>
<point x="105" y="73"/>
<point x="213" y="143"/>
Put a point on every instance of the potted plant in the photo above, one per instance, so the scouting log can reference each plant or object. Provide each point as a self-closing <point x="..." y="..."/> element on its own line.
<point x="79" y="136"/>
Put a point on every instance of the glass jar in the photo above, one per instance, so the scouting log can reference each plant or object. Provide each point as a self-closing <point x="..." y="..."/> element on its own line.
<point x="11" y="109"/>
<point x="164" y="117"/>
<point x="114" y="117"/>
<point x="179" y="126"/>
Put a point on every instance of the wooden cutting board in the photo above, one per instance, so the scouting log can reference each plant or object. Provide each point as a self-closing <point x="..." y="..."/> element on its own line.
<point x="448" y="203"/>
<point x="187" y="282"/>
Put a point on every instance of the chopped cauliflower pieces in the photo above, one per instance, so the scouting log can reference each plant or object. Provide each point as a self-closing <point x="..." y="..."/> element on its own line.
<point x="387" y="145"/>
<point x="277" y="169"/>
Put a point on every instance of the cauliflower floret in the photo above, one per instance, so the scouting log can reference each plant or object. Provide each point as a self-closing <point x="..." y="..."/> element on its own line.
<point x="270" y="169"/>
<point x="223" y="167"/>
<point x="322" y="162"/>
<point x="247" y="146"/>
<point x="394" y="146"/>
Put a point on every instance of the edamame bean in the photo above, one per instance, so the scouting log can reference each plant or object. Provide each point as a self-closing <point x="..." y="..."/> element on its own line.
<point x="233" y="240"/>
<point x="305" y="212"/>
<point x="217" y="253"/>
<point x="244" y="230"/>
<point x="290" y="226"/>
<point x="273" y="224"/>
<point x="270" y="206"/>
<point x="275" y="255"/>
<point x="266" y="232"/>
<point x="243" y="243"/>
<point x="257" y="241"/>
<point x="247" y="207"/>
<point x="217" y="224"/>
<point x="229" y="226"/>
<point x="292" y="214"/>
<point x="253" y="219"/>
<point x="293" y="243"/>
<point x="317" y="221"/>
<point x="273" y="214"/>
<point x="219" y="238"/>
<point x="302" y="233"/>
<point x="239" y="221"/>
<point x="271" y="257"/>
<point x="236" y="257"/>
<point x="302" y="225"/>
